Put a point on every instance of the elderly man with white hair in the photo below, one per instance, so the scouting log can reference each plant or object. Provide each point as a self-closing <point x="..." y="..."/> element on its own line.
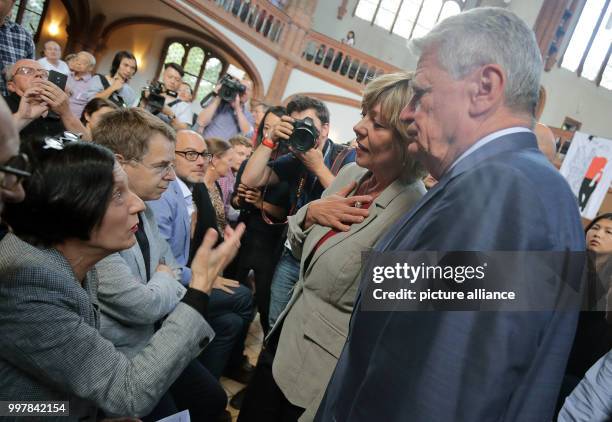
<point x="78" y="81"/>
<point x="53" y="58"/>
<point x="475" y="90"/>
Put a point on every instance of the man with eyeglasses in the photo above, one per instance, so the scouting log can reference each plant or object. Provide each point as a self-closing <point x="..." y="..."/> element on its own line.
<point x="15" y="42"/>
<point x="31" y="98"/>
<point x="13" y="167"/>
<point x="230" y="307"/>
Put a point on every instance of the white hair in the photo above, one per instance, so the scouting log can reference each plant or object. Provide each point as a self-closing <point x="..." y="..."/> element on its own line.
<point x="487" y="35"/>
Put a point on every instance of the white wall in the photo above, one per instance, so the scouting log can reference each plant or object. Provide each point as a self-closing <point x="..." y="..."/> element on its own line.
<point x="342" y="117"/>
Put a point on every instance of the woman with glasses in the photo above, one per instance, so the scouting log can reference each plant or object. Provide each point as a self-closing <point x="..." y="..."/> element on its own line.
<point x="79" y="209"/>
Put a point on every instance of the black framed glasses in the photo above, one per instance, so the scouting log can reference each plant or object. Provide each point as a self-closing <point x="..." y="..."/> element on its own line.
<point x="193" y="155"/>
<point x="14" y="171"/>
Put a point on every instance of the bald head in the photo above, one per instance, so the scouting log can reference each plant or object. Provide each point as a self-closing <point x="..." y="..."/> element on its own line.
<point x="546" y="141"/>
<point x="9" y="146"/>
<point x="188" y="143"/>
<point x="53" y="51"/>
<point x="22" y="74"/>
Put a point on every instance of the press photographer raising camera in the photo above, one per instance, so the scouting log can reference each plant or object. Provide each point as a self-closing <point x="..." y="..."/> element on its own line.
<point x="309" y="169"/>
<point x="305" y="130"/>
<point x="162" y="100"/>
<point x="226" y="115"/>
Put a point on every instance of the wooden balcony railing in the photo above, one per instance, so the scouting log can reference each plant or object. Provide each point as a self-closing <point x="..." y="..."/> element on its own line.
<point x="342" y="60"/>
<point x="274" y="31"/>
<point x="259" y="16"/>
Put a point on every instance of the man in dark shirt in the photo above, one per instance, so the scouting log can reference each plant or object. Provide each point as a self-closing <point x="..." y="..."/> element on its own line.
<point x="27" y="80"/>
<point x="307" y="173"/>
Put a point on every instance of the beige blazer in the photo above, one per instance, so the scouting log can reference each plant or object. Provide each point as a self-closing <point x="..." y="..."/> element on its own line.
<point x="317" y="317"/>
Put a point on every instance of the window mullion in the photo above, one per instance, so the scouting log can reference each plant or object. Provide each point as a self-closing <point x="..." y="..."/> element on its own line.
<point x="397" y="12"/>
<point x="603" y="66"/>
<point x="593" y="35"/>
<point x="21" y="11"/>
<point x="416" y="19"/>
<point x="375" y="12"/>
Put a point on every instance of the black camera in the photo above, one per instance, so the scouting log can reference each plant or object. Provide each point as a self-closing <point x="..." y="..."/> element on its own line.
<point x="156" y="100"/>
<point x="304" y="136"/>
<point x="229" y="88"/>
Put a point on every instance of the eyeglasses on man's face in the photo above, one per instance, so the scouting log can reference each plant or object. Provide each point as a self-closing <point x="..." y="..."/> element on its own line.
<point x="30" y="71"/>
<point x="160" y="169"/>
<point x="193" y="155"/>
<point x="14" y="171"/>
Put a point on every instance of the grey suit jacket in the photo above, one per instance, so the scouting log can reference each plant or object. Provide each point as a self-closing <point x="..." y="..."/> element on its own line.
<point x="317" y="317"/>
<point x="51" y="349"/>
<point x="130" y="303"/>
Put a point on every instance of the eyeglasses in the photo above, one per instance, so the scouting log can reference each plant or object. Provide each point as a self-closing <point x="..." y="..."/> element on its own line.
<point x="26" y="71"/>
<point x="160" y="169"/>
<point x="14" y="171"/>
<point x="193" y="155"/>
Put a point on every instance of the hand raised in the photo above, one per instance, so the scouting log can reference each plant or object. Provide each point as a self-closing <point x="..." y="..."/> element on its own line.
<point x="337" y="211"/>
<point x="209" y="262"/>
<point x="283" y="129"/>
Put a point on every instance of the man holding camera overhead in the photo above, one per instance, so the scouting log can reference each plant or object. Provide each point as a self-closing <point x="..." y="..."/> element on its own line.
<point x="162" y="99"/>
<point x="226" y="115"/>
<point x="309" y="169"/>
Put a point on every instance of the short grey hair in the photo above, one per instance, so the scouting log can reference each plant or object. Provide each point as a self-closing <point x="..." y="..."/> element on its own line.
<point x="487" y="35"/>
<point x="90" y="57"/>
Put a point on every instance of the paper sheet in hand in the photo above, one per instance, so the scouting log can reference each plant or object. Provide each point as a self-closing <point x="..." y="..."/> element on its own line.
<point x="177" y="417"/>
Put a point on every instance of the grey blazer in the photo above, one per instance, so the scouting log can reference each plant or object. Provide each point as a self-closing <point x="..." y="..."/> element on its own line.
<point x="316" y="319"/>
<point x="50" y="347"/>
<point x="130" y="303"/>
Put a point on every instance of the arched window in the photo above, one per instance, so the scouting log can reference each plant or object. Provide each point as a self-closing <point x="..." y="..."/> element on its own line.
<point x="29" y="14"/>
<point x="589" y="47"/>
<point x="202" y="66"/>
<point x="407" y="18"/>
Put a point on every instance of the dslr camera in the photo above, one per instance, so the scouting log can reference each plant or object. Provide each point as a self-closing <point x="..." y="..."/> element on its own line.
<point x="229" y="88"/>
<point x="304" y="136"/>
<point x="156" y="100"/>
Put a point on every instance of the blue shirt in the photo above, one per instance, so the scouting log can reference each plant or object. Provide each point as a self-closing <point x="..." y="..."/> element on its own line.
<point x="16" y="44"/>
<point x="224" y="123"/>
<point x="290" y="169"/>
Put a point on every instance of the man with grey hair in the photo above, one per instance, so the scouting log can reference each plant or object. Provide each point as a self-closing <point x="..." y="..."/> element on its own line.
<point x="475" y="90"/>
<point x="78" y="81"/>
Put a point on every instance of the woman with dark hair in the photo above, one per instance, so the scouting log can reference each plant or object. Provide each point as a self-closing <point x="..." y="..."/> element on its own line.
<point x="78" y="209"/>
<point x="114" y="86"/>
<point x="263" y="211"/>
<point x="221" y="163"/>
<point x="594" y="333"/>
<point x="94" y="110"/>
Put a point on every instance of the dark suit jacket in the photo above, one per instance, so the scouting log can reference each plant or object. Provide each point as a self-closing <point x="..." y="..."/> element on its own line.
<point x="467" y="366"/>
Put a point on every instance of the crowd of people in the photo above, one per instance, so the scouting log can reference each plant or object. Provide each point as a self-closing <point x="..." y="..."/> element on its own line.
<point x="139" y="241"/>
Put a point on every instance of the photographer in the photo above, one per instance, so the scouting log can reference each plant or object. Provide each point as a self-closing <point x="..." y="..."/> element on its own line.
<point x="309" y="169"/>
<point x="161" y="99"/>
<point x="226" y="115"/>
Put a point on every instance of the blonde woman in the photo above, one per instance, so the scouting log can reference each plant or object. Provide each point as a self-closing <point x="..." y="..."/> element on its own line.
<point x="329" y="235"/>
